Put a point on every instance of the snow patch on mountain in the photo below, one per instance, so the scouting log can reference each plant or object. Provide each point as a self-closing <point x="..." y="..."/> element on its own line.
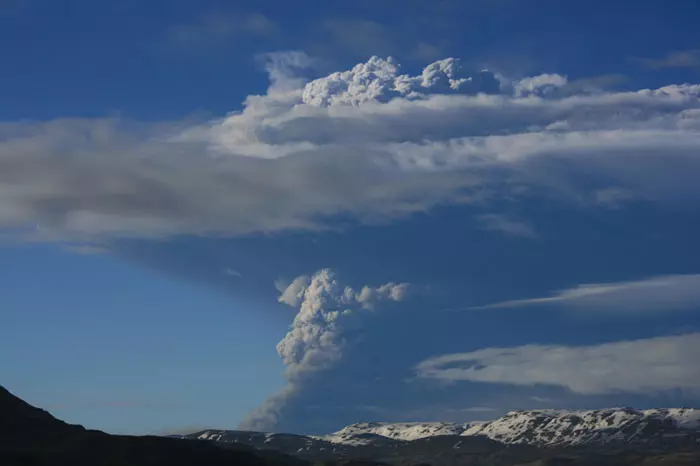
<point x="406" y="431"/>
<point x="542" y="427"/>
<point x="554" y="428"/>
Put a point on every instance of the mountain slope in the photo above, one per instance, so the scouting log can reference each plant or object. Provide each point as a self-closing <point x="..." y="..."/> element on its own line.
<point x="452" y="450"/>
<point x="617" y="427"/>
<point x="32" y="437"/>
<point x="549" y="428"/>
<point x="397" y="431"/>
<point x="597" y="427"/>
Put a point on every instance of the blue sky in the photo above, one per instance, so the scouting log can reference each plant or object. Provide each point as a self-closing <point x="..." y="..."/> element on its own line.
<point x="216" y="216"/>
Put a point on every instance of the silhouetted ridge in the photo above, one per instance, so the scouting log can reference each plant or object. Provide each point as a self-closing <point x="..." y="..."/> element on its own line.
<point x="30" y="436"/>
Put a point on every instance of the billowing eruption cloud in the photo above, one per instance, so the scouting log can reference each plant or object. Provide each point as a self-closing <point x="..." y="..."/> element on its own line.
<point x="317" y="337"/>
<point x="371" y="143"/>
<point x="379" y="80"/>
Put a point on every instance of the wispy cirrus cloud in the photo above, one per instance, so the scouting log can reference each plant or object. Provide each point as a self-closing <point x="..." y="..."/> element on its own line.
<point x="88" y="249"/>
<point x="229" y="272"/>
<point x="635" y="366"/>
<point x="361" y="37"/>
<point x="219" y="28"/>
<point x="656" y="294"/>
<point x="506" y="225"/>
<point x="426" y="51"/>
<point x="542" y="399"/>
<point x="677" y="59"/>
<point x="474" y="409"/>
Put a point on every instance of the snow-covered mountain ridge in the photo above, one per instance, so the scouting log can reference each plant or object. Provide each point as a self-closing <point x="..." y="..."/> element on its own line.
<point x="669" y="429"/>
<point x="361" y="433"/>
<point x="545" y="427"/>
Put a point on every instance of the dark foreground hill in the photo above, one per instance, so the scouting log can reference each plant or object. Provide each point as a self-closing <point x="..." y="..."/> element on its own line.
<point x="32" y="437"/>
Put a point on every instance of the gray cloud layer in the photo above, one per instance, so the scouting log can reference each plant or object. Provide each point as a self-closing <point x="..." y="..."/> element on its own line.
<point x="370" y="143"/>
<point x="637" y="366"/>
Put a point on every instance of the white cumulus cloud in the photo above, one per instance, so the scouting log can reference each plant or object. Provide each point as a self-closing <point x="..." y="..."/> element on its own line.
<point x="379" y="80"/>
<point x="636" y="366"/>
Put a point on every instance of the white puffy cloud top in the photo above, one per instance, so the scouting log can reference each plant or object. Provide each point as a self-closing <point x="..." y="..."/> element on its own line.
<point x="379" y="80"/>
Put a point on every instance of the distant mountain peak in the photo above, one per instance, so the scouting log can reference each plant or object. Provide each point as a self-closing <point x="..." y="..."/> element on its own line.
<point x="671" y="436"/>
<point x="547" y="427"/>
<point x="540" y="428"/>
